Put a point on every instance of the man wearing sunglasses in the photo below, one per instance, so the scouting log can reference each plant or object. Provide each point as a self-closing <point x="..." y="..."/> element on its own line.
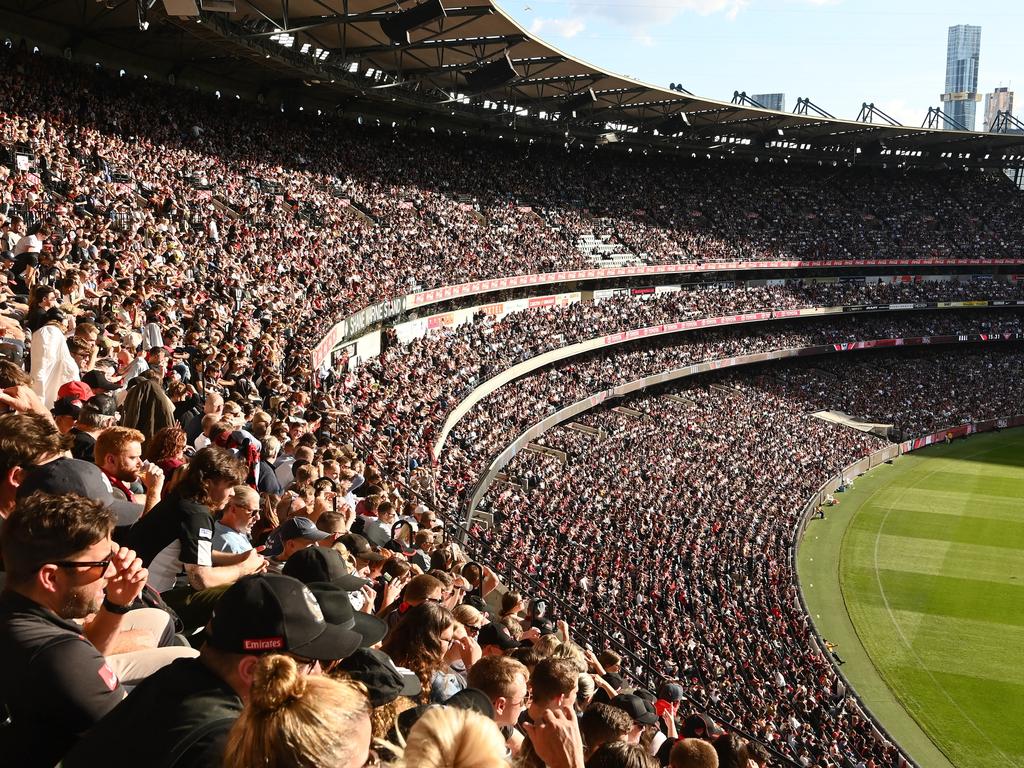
<point x="231" y="532"/>
<point x="61" y="565"/>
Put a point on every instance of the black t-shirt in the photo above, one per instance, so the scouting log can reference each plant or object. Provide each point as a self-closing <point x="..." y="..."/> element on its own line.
<point x="23" y="261"/>
<point x="161" y="720"/>
<point x="175" y="532"/>
<point x="665" y="750"/>
<point x="54" y="683"/>
<point x="84" y="447"/>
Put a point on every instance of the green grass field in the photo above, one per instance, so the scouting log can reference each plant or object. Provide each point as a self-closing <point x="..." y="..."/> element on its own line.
<point x="918" y="576"/>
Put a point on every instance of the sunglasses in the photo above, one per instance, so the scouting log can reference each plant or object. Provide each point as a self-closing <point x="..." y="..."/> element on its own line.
<point x="104" y="564"/>
<point x="524" y="702"/>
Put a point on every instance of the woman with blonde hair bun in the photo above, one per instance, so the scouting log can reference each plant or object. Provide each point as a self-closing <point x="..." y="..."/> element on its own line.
<point x="293" y="720"/>
<point x="446" y="737"/>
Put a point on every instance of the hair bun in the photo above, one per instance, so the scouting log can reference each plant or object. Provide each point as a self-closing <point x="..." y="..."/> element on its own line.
<point x="276" y="682"/>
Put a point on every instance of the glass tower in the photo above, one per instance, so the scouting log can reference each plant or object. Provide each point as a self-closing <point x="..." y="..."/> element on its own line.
<point x="776" y="101"/>
<point x="961" y="97"/>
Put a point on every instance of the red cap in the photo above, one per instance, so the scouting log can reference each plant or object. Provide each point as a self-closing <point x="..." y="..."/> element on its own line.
<point x="76" y="390"/>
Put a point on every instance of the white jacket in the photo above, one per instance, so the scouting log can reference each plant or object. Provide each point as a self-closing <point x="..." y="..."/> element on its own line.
<point x="52" y="363"/>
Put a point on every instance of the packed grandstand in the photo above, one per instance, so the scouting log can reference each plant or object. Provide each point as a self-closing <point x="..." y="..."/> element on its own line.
<point x="566" y="509"/>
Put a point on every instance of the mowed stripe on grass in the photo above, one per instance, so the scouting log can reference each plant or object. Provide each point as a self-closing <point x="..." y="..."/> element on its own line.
<point x="932" y="574"/>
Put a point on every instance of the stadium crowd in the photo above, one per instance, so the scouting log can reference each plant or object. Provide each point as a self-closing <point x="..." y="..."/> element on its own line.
<point x="209" y="561"/>
<point x="509" y="411"/>
<point x="413" y="387"/>
<point x="677" y="519"/>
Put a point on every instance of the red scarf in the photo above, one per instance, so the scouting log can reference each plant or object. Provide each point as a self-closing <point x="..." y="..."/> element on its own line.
<point x="121" y="487"/>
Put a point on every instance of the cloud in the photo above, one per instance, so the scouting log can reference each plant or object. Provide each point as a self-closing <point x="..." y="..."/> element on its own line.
<point x="557" y="27"/>
<point x="657" y="12"/>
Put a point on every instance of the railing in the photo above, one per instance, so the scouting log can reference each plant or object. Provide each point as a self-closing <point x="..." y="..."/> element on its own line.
<point x="449" y="292"/>
<point x="344" y="329"/>
<point x="667" y="329"/>
<point x="532" y="433"/>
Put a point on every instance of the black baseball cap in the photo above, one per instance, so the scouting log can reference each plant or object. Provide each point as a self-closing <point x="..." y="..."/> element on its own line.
<point x="323" y="564"/>
<point x="65" y="406"/>
<point x="98" y="380"/>
<point x="270" y="612"/>
<point x="700" y="726"/>
<point x="338" y="610"/>
<point x="671" y="692"/>
<point x="64" y="475"/>
<point x="384" y="681"/>
<point x="360" y="548"/>
<point x="635" y="707"/>
<point x="100" y="405"/>
<point x="493" y="633"/>
<point x="292" y="528"/>
<point x="468" y="698"/>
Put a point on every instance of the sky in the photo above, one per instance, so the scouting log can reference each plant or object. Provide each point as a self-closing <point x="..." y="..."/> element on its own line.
<point x="838" y="53"/>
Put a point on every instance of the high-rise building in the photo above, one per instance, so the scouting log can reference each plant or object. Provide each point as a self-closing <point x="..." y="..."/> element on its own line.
<point x="961" y="97"/>
<point x="776" y="101"/>
<point x="1000" y="100"/>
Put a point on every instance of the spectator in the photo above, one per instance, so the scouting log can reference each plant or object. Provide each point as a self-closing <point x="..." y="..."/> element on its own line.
<point x="638" y="712"/>
<point x="505" y="682"/>
<point x="61" y="565"/>
<point x="291" y="719"/>
<point x="97" y="414"/>
<point x="118" y="454"/>
<point x="391" y="690"/>
<point x="693" y="753"/>
<point x="294" y="535"/>
<point x="420" y="589"/>
<point x="178" y="533"/>
<point x="52" y="364"/>
<point x="167" y="450"/>
<point x="197" y="701"/>
<point x="25" y="441"/>
<point x="446" y="737"/>
<point x="495" y="640"/>
<point x="621" y="754"/>
<point x="603" y="723"/>
<point x="420" y="642"/>
<point x="232" y="531"/>
<point x="553" y="684"/>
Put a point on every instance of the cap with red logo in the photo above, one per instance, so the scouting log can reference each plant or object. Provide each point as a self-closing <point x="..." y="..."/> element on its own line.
<point x="265" y="613"/>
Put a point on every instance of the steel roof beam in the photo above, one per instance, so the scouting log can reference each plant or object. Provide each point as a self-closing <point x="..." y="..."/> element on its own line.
<point x="430" y="44"/>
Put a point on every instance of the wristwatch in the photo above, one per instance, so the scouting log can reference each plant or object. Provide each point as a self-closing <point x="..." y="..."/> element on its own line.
<point x="114" y="608"/>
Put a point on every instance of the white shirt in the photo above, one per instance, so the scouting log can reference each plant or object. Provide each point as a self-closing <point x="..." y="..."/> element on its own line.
<point x="52" y="363"/>
<point x="164" y="570"/>
<point x="29" y="243"/>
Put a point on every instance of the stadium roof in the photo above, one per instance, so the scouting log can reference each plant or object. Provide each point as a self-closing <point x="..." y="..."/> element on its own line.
<point x="473" y="64"/>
